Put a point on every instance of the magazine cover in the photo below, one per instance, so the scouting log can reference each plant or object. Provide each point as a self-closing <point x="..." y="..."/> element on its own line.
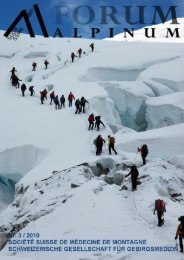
<point x="92" y="130"/>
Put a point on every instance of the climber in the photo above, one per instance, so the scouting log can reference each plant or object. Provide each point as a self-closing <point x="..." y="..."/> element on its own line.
<point x="160" y="208"/>
<point x="15" y="81"/>
<point x="31" y="89"/>
<point x="99" y="144"/>
<point x="83" y="104"/>
<point x="42" y="96"/>
<point x="52" y="96"/>
<point x="46" y="64"/>
<point x="91" y="120"/>
<point x="92" y="46"/>
<point x="13" y="71"/>
<point x="73" y="56"/>
<point x="45" y="93"/>
<point x="134" y="176"/>
<point x="98" y="122"/>
<point x="180" y="232"/>
<point x="62" y="101"/>
<point x="111" y="142"/>
<point x="34" y="65"/>
<point x="56" y="101"/>
<point x="23" y="89"/>
<point x="80" y="52"/>
<point x="78" y="106"/>
<point x="144" y="152"/>
<point x="70" y="99"/>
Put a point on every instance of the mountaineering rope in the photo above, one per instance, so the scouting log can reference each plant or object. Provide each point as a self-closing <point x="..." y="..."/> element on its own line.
<point x="137" y="209"/>
<point x="140" y="213"/>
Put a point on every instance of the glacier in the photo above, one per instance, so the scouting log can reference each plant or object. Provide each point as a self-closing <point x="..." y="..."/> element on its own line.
<point x="52" y="183"/>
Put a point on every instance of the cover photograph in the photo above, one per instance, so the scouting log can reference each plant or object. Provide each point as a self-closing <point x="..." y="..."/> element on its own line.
<point x="92" y="130"/>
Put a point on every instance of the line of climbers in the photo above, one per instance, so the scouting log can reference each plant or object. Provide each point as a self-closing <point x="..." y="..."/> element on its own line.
<point x="34" y="65"/>
<point x="15" y="80"/>
<point x="80" y="105"/>
<point x="99" y="142"/>
<point x="80" y="51"/>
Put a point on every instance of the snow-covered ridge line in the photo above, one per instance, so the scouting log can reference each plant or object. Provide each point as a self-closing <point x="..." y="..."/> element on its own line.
<point x="166" y="32"/>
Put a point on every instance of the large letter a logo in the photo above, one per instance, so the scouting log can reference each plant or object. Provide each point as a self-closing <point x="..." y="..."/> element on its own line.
<point x="24" y="14"/>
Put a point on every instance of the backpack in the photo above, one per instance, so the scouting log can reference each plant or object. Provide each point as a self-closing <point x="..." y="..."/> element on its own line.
<point x="144" y="149"/>
<point x="62" y="99"/>
<point x="90" y="118"/>
<point x="52" y="95"/>
<point x="83" y="101"/>
<point x="134" y="172"/>
<point x="181" y="228"/>
<point x="97" y="118"/>
<point x="77" y="103"/>
<point x="160" y="205"/>
<point x="70" y="97"/>
<point x="112" y="140"/>
<point x="23" y="87"/>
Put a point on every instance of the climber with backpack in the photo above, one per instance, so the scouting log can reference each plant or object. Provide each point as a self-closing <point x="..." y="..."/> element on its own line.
<point x="15" y="81"/>
<point x="111" y="142"/>
<point x="144" y="152"/>
<point x="46" y="64"/>
<point x="91" y="120"/>
<point x="92" y="46"/>
<point x="134" y="176"/>
<point x="70" y="99"/>
<point x="180" y="232"/>
<point x="73" y="56"/>
<point x="13" y="71"/>
<point x="56" y="102"/>
<point x="34" y="65"/>
<point x="52" y="96"/>
<point x="45" y="93"/>
<point x="80" y="52"/>
<point x="160" y="208"/>
<point x="98" y="121"/>
<point x="62" y="101"/>
<point x="98" y="142"/>
<point x="31" y="89"/>
<point x="83" y="104"/>
<point x="42" y="96"/>
<point x="23" y="89"/>
<point x="78" y="106"/>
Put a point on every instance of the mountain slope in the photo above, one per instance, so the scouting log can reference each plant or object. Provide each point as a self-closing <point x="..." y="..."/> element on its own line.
<point x="162" y="34"/>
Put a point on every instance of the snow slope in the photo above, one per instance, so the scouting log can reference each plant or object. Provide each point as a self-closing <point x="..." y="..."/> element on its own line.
<point x="62" y="190"/>
<point x="161" y="33"/>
